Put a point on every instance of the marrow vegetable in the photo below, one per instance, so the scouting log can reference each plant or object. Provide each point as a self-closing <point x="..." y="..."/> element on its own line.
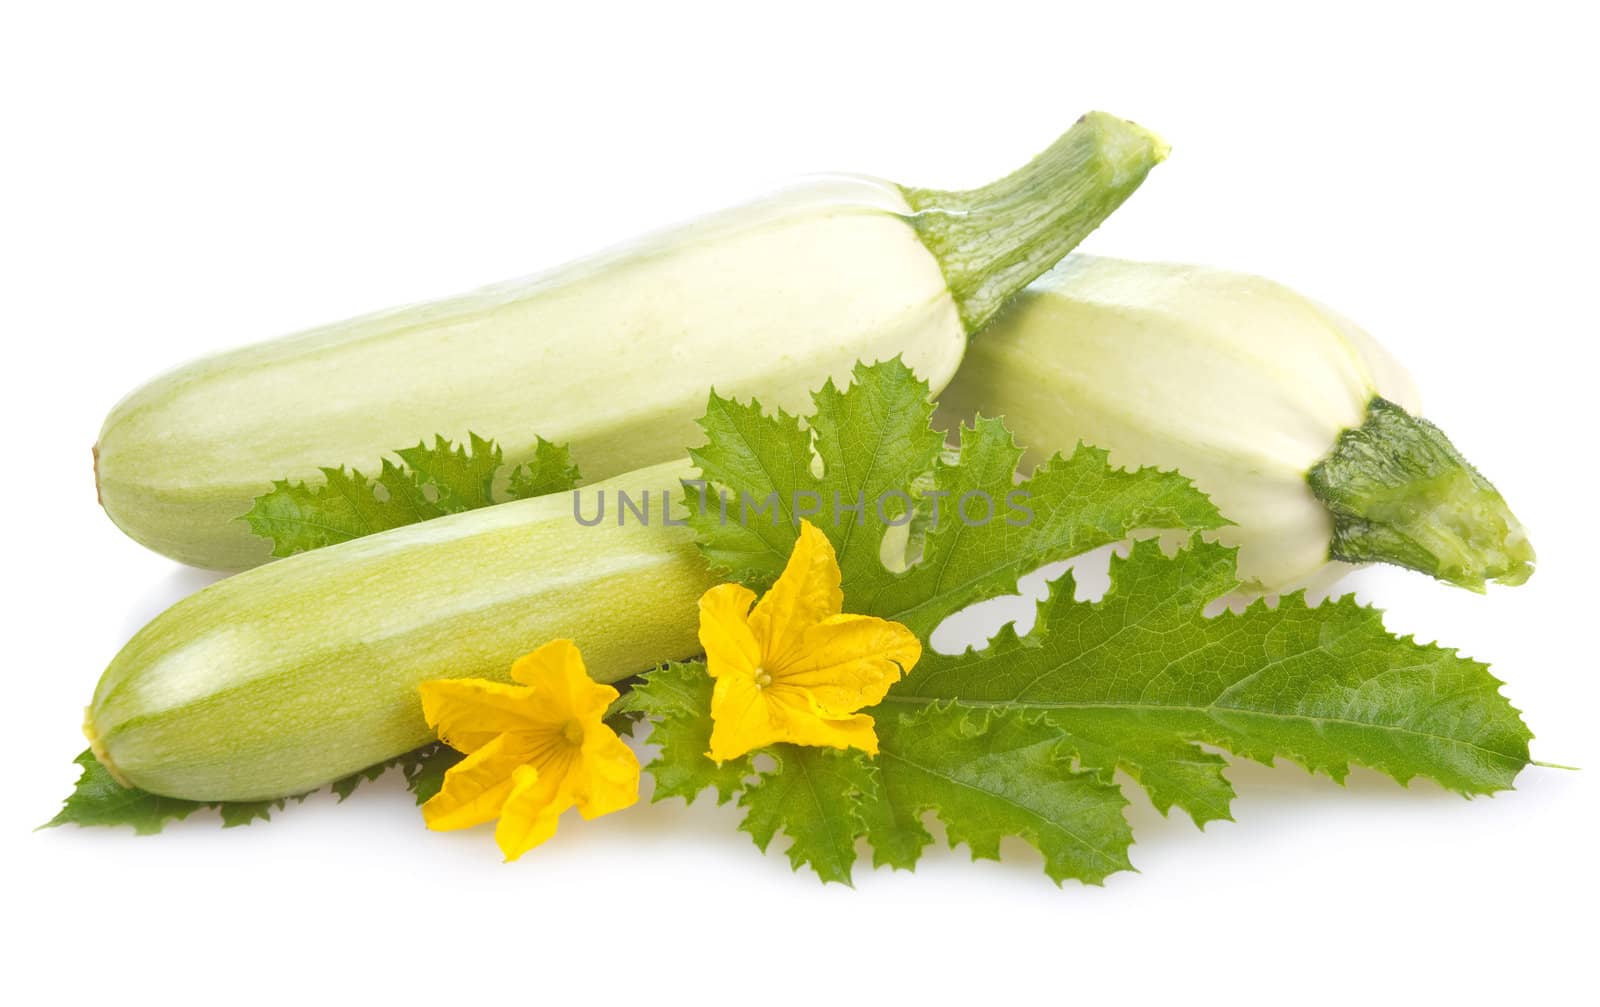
<point x="612" y="354"/>
<point x="289" y="676"/>
<point x="1296" y="422"/>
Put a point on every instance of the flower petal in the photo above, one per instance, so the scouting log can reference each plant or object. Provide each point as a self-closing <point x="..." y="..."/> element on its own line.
<point x="802" y="722"/>
<point x="725" y="630"/>
<point x="468" y="713"/>
<point x="741" y="720"/>
<point x="605" y="776"/>
<point x="564" y="690"/>
<point x="530" y="813"/>
<point x="476" y="787"/>
<point x="805" y="594"/>
<point x="850" y="661"/>
<point x="745" y="719"/>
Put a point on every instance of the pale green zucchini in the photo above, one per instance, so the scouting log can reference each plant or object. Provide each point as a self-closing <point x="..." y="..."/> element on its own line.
<point x="1299" y="426"/>
<point x="295" y="674"/>
<point x="614" y="354"/>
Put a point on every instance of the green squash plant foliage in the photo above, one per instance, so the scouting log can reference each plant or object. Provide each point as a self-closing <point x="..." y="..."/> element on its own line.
<point x="1022" y="737"/>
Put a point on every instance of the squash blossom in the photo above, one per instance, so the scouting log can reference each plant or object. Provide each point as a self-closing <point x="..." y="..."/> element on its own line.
<point x="793" y="668"/>
<point x="533" y="750"/>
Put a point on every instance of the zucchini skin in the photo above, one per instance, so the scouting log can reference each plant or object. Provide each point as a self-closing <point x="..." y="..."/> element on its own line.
<point x="1237" y="381"/>
<point x="287" y="677"/>
<point x="611" y="355"/>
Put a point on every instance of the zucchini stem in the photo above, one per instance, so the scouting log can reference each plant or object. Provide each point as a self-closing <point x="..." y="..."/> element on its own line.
<point x="994" y="240"/>
<point x="1401" y="493"/>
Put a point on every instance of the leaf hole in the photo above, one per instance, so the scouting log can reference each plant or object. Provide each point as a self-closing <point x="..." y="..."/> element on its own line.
<point x="982" y="621"/>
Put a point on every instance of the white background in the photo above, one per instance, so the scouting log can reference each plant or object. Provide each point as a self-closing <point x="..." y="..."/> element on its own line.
<point x="178" y="179"/>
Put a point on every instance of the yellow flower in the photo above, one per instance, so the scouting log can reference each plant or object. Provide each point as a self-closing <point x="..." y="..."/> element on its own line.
<point x="793" y="668"/>
<point x="533" y="750"/>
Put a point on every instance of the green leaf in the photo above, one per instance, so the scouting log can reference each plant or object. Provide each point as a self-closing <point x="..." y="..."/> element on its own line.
<point x="875" y="444"/>
<point x="424" y="769"/>
<point x="813" y="795"/>
<point x="461" y="477"/>
<point x="1024" y="737"/>
<point x="1142" y="676"/>
<point x="237" y="813"/>
<point x="98" y="799"/>
<point x="989" y="774"/>
<point x="428" y="482"/>
<point x="1074" y="504"/>
<point x="677" y="697"/>
<point x="551" y="470"/>
<point x="343" y="788"/>
<point x="874" y="440"/>
<point x="419" y="767"/>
